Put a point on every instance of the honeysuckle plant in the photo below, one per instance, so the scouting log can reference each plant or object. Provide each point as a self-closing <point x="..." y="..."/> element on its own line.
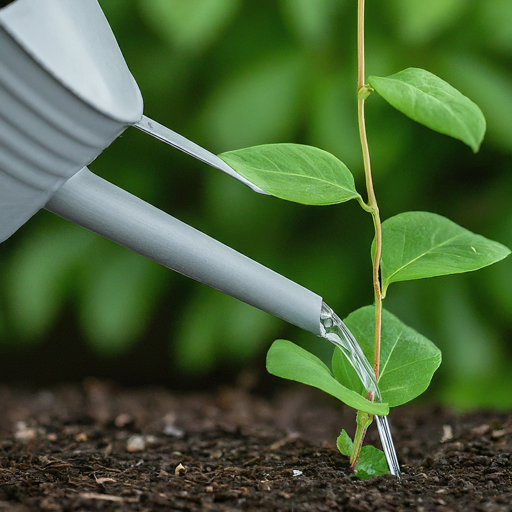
<point x="411" y="245"/>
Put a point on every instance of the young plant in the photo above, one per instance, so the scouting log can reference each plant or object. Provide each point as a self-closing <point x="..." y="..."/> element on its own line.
<point x="412" y="245"/>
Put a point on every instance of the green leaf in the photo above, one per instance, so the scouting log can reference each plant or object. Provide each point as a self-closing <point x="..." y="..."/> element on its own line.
<point x="434" y="103"/>
<point x="38" y="277"/>
<point x="350" y="378"/>
<point x="313" y="20"/>
<point x="189" y="24"/>
<point x="371" y="462"/>
<point x="119" y="299"/>
<point x="344" y="444"/>
<point x="408" y="360"/>
<point x="289" y="361"/>
<point x="420" y="22"/>
<point x="295" y="172"/>
<point x="416" y="245"/>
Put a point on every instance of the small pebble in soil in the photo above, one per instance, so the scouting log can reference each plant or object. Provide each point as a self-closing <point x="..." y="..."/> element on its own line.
<point x="23" y="433"/>
<point x="447" y="433"/>
<point x="136" y="443"/>
<point x="180" y="470"/>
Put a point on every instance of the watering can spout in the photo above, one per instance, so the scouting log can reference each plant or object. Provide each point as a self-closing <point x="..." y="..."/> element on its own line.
<point x="91" y="202"/>
<point x="65" y="94"/>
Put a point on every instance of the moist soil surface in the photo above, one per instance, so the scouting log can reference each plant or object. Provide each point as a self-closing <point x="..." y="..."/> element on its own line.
<point x="97" y="446"/>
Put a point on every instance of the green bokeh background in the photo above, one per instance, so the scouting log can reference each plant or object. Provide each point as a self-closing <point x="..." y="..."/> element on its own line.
<point x="234" y="73"/>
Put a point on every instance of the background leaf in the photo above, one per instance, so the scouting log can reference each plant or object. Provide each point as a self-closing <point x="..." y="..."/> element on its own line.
<point x="38" y="278"/>
<point x="407" y="362"/>
<point x="312" y="20"/>
<point x="420" y="22"/>
<point x="434" y="103"/>
<point x="227" y="329"/>
<point x="295" y="172"/>
<point x="191" y="24"/>
<point x="118" y="302"/>
<point x="289" y="361"/>
<point x="259" y="105"/>
<point x="416" y="245"/>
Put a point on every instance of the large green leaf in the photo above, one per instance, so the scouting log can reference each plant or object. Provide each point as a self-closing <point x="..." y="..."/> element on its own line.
<point x="431" y="101"/>
<point x="289" y="361"/>
<point x="408" y="360"/>
<point x="416" y="245"/>
<point x="295" y="172"/>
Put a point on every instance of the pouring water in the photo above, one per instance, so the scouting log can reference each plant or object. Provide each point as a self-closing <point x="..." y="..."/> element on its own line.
<point x="339" y="335"/>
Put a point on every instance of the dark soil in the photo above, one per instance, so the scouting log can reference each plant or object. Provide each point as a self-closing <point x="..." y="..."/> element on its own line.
<point x="99" y="447"/>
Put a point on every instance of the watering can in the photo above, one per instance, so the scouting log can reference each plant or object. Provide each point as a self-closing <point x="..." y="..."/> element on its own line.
<point x="65" y="94"/>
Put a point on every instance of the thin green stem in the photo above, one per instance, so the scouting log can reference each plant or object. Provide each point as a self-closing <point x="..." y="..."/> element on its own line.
<point x="364" y="419"/>
<point x="372" y="200"/>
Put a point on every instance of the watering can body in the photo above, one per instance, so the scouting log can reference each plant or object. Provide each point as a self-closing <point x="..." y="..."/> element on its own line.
<point x="65" y="94"/>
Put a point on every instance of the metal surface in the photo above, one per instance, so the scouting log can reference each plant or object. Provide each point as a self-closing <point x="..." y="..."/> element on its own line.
<point x="53" y="119"/>
<point x="73" y="42"/>
<point x="99" y="206"/>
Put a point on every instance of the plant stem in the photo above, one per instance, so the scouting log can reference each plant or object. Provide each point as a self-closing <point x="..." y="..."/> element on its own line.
<point x="363" y="92"/>
<point x="363" y="421"/>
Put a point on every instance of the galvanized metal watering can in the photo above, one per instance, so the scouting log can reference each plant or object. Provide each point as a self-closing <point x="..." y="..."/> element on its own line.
<point x="65" y="94"/>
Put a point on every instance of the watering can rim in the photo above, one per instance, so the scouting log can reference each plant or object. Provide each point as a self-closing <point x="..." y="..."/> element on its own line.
<point x="83" y="55"/>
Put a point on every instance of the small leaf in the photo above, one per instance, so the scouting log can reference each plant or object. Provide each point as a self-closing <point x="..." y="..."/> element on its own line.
<point x="344" y="443"/>
<point x="427" y="99"/>
<point x="416" y="245"/>
<point x="289" y="361"/>
<point x="408" y="360"/>
<point x="295" y="172"/>
<point x="371" y="462"/>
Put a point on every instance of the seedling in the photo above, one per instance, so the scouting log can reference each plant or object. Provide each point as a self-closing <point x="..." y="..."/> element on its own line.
<point x="411" y="245"/>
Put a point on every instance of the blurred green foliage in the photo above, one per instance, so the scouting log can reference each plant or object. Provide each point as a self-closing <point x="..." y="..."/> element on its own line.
<point x="234" y="73"/>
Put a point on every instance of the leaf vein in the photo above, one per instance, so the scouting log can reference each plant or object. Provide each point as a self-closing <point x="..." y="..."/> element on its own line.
<point x="410" y="262"/>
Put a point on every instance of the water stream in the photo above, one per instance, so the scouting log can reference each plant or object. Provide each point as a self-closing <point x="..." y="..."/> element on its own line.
<point x="339" y="335"/>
